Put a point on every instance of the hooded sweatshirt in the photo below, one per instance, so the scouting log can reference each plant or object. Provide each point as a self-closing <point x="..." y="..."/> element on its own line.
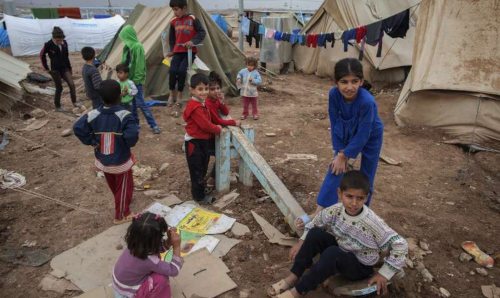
<point x="198" y="121"/>
<point x="133" y="55"/>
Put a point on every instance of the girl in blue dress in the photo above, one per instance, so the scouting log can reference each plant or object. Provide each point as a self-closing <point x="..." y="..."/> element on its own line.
<point x="355" y="128"/>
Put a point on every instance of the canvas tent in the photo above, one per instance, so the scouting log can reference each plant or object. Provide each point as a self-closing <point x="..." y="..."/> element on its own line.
<point x="340" y="15"/>
<point x="12" y="71"/>
<point x="218" y="51"/>
<point x="455" y="81"/>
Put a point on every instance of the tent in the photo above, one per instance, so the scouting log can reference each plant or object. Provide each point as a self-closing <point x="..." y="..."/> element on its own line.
<point x="340" y="15"/>
<point x="27" y="36"/>
<point x="12" y="71"/>
<point x="455" y="83"/>
<point x="218" y="51"/>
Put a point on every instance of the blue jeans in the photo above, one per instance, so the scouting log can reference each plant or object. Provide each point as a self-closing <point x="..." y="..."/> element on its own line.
<point x="138" y="102"/>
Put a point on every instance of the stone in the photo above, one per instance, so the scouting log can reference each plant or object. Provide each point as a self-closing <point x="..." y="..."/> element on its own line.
<point x="163" y="167"/>
<point x="409" y="263"/>
<point x="444" y="292"/>
<point x="270" y="134"/>
<point x="426" y="275"/>
<point x="119" y="247"/>
<point x="435" y="291"/>
<point x="244" y="293"/>
<point x="239" y="229"/>
<point x="38" y="113"/>
<point x="152" y="192"/>
<point x="50" y="283"/>
<point x="265" y="256"/>
<point x="423" y="245"/>
<point x="66" y="132"/>
<point x="464" y="257"/>
<point x="58" y="273"/>
<point x="482" y="271"/>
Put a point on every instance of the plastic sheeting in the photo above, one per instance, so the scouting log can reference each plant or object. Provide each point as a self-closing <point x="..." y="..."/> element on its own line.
<point x="277" y="52"/>
<point x="28" y="36"/>
<point x="4" y="39"/>
<point x="220" y="21"/>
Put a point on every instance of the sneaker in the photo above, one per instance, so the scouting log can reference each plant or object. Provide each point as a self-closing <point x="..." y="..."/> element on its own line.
<point x="207" y="200"/>
<point x="60" y="109"/>
<point x="127" y="218"/>
<point x="243" y="117"/>
<point x="255" y="117"/>
<point x="78" y="104"/>
<point x="156" y="130"/>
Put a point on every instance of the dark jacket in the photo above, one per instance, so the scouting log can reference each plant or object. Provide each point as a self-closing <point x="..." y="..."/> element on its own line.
<point x="59" y="59"/>
<point x="112" y="131"/>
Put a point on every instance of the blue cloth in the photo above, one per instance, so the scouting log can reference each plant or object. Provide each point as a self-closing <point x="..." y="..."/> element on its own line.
<point x="355" y="128"/>
<point x="220" y="21"/>
<point x="112" y="131"/>
<point x="262" y="29"/>
<point x="138" y="102"/>
<point x="294" y="38"/>
<point x="155" y="103"/>
<point x="4" y="39"/>
<point x="346" y="36"/>
<point x="102" y="16"/>
<point x="278" y="35"/>
<point x="245" y="26"/>
<point x="321" y="40"/>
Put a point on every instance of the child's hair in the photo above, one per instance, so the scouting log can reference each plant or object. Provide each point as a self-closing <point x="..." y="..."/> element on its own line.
<point x="348" y="66"/>
<point x="214" y="79"/>
<point x="57" y="32"/>
<point x="198" y="79"/>
<point x="178" y="3"/>
<point x="122" y="67"/>
<point x="88" y="53"/>
<point x="145" y="234"/>
<point x="252" y="61"/>
<point x="110" y="92"/>
<point x="355" y="180"/>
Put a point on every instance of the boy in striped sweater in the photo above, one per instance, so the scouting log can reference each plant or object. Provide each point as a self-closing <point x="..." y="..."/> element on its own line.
<point x="112" y="131"/>
<point x="349" y="238"/>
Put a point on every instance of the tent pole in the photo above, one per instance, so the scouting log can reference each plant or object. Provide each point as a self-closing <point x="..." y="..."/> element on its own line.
<point x="240" y="38"/>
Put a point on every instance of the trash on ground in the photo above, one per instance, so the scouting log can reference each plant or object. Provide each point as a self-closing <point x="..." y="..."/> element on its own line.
<point x="479" y="256"/>
<point x="51" y="283"/>
<point x="226" y="199"/>
<point x="26" y="256"/>
<point x="389" y="160"/>
<point x="66" y="132"/>
<point x="35" y="125"/>
<point x="490" y="291"/>
<point x="301" y="156"/>
<point x="10" y="179"/>
<point x="5" y="140"/>
<point x="273" y="234"/>
<point x="239" y="229"/>
<point x="270" y="134"/>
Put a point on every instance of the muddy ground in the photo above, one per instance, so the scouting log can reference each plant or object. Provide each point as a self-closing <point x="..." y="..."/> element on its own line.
<point x="440" y="194"/>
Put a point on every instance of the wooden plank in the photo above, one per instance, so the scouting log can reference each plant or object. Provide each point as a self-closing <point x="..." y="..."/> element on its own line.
<point x="223" y="161"/>
<point x="245" y="173"/>
<point x="267" y="178"/>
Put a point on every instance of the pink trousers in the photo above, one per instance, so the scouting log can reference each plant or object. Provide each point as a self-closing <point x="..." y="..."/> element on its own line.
<point x="155" y="286"/>
<point x="250" y="101"/>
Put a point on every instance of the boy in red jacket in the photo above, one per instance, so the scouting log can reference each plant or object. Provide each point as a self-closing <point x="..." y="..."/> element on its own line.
<point x="199" y="130"/>
<point x="186" y="31"/>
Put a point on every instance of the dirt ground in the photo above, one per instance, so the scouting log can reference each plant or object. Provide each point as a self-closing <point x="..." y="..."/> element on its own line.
<point x="439" y="194"/>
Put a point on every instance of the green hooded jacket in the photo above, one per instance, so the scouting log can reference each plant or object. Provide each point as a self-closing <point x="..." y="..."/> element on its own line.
<point x="137" y="62"/>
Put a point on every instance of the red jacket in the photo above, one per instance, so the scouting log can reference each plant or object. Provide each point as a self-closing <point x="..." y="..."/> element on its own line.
<point x="216" y="107"/>
<point x="198" y="122"/>
<point x="184" y="29"/>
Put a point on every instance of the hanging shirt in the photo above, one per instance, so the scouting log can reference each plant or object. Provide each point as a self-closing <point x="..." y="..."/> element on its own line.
<point x="346" y="36"/>
<point x="270" y="33"/>
<point x="360" y="33"/>
<point x="322" y="40"/>
<point x="262" y="29"/>
<point x="330" y="38"/>
<point x="397" y="25"/>
<point x="253" y="33"/>
<point x="374" y="35"/>
<point x="245" y="25"/>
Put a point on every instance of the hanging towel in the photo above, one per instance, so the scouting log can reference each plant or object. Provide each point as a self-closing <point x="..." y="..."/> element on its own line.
<point x="315" y="40"/>
<point x="245" y="25"/>
<point x="374" y="35"/>
<point x="397" y="25"/>
<point x="262" y="29"/>
<point x="360" y="33"/>
<point x="329" y="38"/>
<point x="347" y="36"/>
<point x="253" y="33"/>
<point x="322" y="40"/>
<point x="270" y="33"/>
<point x="302" y="39"/>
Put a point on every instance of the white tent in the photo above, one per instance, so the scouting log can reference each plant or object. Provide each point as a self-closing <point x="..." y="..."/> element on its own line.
<point x="27" y="36"/>
<point x="335" y="15"/>
<point x="455" y="80"/>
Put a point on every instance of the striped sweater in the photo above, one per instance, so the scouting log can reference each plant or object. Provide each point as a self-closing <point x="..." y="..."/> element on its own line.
<point x="366" y="235"/>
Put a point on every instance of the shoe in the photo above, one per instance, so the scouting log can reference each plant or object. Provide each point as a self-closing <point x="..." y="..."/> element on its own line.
<point x="127" y="218"/>
<point x="60" y="109"/>
<point x="156" y="130"/>
<point x="207" y="200"/>
<point x="78" y="104"/>
<point x="255" y="117"/>
<point x="243" y="117"/>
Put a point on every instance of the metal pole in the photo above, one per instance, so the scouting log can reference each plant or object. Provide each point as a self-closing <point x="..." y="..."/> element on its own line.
<point x="240" y="38"/>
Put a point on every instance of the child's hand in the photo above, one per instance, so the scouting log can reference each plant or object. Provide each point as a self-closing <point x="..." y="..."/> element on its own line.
<point x="339" y="164"/>
<point x="381" y="283"/>
<point x="189" y="44"/>
<point x="295" y="249"/>
<point x="169" y="54"/>
<point x="238" y="123"/>
<point x="299" y="224"/>
<point x="174" y="237"/>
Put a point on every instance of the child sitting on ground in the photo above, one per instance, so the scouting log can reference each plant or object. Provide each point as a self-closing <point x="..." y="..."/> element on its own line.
<point x="112" y="131"/>
<point x="91" y="77"/>
<point x="199" y="130"/>
<point x="247" y="81"/>
<point x="349" y="238"/>
<point x="128" y="88"/>
<point x="139" y="271"/>
<point x="217" y="108"/>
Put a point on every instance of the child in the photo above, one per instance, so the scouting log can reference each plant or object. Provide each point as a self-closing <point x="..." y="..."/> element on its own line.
<point x="349" y="238"/>
<point x="139" y="271"/>
<point x="133" y="56"/>
<point x="112" y="131"/>
<point x="199" y="130"/>
<point x="60" y="67"/>
<point x="91" y="77"/>
<point x="247" y="81"/>
<point x="185" y="32"/>
<point x="216" y="107"/>
<point x="355" y="128"/>
<point x="128" y="88"/>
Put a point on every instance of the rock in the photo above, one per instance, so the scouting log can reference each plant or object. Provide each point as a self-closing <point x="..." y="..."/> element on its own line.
<point x="244" y="293"/>
<point x="119" y="247"/>
<point x="265" y="256"/>
<point x="482" y="271"/>
<point x="435" y="291"/>
<point x="409" y="263"/>
<point x="464" y="257"/>
<point x="50" y="283"/>
<point x="270" y="134"/>
<point x="423" y="245"/>
<point x="28" y="243"/>
<point x="233" y="178"/>
<point x="66" y="132"/>
<point x="472" y="273"/>
<point x="444" y="292"/>
<point x="163" y="167"/>
<point x="100" y="174"/>
<point x="58" y="273"/>
<point x="426" y="275"/>
<point x="239" y="229"/>
<point x="38" y="113"/>
<point x="152" y="192"/>
<point x="76" y="110"/>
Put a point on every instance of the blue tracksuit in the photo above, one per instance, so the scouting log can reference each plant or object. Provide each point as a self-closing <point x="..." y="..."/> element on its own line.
<point x="355" y="128"/>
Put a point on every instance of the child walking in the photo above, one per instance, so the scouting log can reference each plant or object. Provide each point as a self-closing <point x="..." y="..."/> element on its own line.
<point x="247" y="81"/>
<point x="139" y="271"/>
<point x="199" y="130"/>
<point x="112" y="131"/>
<point x="128" y="88"/>
<point x="355" y="128"/>
<point x="185" y="32"/>
<point x="91" y="77"/>
<point x="217" y="108"/>
<point x="349" y="238"/>
<point x="60" y="66"/>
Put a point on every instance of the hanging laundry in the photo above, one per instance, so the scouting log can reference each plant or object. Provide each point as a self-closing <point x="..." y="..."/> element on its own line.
<point x="397" y="25"/>
<point x="362" y="49"/>
<point x="270" y="33"/>
<point x="374" y="35"/>
<point x="330" y="38"/>
<point x="360" y="33"/>
<point x="347" y="36"/>
<point x="245" y="25"/>
<point x="302" y="39"/>
<point x="262" y="29"/>
<point x="253" y="33"/>
<point x="278" y="35"/>
<point x="314" y="40"/>
<point x="293" y="39"/>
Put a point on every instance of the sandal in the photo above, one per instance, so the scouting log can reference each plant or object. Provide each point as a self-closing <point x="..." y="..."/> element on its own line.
<point x="479" y="256"/>
<point x="278" y="288"/>
<point x="124" y="220"/>
<point x="286" y="294"/>
<point x="243" y="117"/>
